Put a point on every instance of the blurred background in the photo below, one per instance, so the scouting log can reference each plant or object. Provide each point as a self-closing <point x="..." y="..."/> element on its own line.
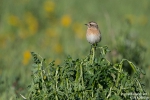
<point x="55" y="29"/>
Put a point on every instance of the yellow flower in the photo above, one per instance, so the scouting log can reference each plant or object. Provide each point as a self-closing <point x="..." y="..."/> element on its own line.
<point x="23" y="33"/>
<point x="3" y="39"/>
<point x="13" y="20"/>
<point x="130" y="18"/>
<point x="66" y="20"/>
<point x="49" y="6"/>
<point x="78" y="29"/>
<point x="31" y="22"/>
<point x="26" y="57"/>
<point x="51" y="32"/>
<point x="58" y="48"/>
<point x="143" y="20"/>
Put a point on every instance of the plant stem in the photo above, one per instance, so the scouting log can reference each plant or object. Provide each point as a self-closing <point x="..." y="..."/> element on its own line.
<point x="81" y="74"/>
<point x="118" y="76"/>
<point x="93" y="54"/>
<point x="109" y="94"/>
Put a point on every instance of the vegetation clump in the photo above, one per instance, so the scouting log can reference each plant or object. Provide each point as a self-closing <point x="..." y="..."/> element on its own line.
<point x="91" y="78"/>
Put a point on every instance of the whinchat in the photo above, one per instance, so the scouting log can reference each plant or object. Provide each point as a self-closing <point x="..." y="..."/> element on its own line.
<point x="93" y="33"/>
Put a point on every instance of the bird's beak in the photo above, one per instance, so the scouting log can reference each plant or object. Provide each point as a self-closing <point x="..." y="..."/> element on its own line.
<point x="85" y="24"/>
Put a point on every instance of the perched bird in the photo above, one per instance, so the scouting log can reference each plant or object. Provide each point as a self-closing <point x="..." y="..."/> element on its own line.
<point x="93" y="33"/>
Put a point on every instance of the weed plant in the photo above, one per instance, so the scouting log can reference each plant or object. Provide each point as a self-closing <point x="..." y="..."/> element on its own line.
<point x="90" y="78"/>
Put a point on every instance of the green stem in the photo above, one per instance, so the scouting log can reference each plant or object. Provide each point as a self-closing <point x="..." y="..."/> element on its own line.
<point x="109" y="94"/>
<point x="81" y="74"/>
<point x="118" y="76"/>
<point x="56" y="82"/>
<point x="139" y="85"/>
<point x="93" y="54"/>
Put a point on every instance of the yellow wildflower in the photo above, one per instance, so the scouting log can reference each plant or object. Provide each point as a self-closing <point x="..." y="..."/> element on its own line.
<point x="58" y="48"/>
<point x="32" y="23"/>
<point x="13" y="20"/>
<point x="23" y="33"/>
<point x="3" y="41"/>
<point x="49" y="6"/>
<point x="50" y="32"/>
<point x="26" y="57"/>
<point x="78" y="29"/>
<point x="143" y="20"/>
<point x="66" y="20"/>
<point x="130" y="18"/>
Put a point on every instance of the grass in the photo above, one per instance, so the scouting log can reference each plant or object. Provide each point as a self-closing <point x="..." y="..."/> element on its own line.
<point x="55" y="29"/>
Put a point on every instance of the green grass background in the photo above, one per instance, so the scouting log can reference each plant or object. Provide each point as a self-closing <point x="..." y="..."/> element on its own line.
<point x="55" y="29"/>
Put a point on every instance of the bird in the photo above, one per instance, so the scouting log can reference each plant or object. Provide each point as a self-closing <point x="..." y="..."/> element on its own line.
<point x="93" y="34"/>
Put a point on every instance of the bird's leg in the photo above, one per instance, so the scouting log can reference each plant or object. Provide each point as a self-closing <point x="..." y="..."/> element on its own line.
<point x="95" y="45"/>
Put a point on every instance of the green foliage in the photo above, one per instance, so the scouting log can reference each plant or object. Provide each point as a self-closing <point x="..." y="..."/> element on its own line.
<point x="91" y="78"/>
<point x="127" y="43"/>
